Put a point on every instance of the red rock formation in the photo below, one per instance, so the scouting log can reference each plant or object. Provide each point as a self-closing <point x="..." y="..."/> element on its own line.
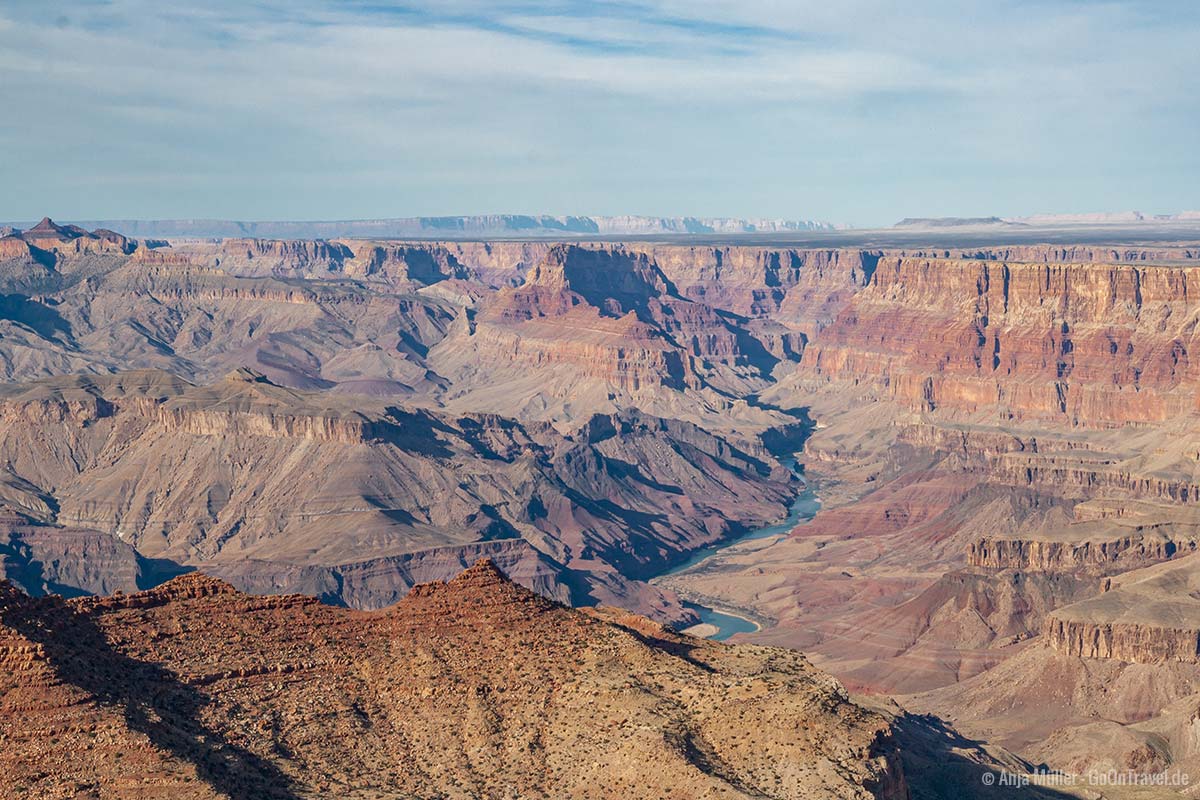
<point x="802" y="289"/>
<point x="1086" y="344"/>
<point x="478" y="687"/>
<point x="1144" y="644"/>
<point x="1112" y="555"/>
<point x="66" y="240"/>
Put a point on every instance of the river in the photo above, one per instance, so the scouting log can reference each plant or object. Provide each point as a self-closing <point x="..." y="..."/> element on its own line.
<point x="803" y="508"/>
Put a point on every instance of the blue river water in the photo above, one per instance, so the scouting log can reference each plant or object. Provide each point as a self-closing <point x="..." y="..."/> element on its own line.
<point x="727" y="624"/>
<point x="802" y="509"/>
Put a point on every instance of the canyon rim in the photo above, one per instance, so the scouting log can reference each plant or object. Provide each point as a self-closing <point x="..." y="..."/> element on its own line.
<point x="683" y="401"/>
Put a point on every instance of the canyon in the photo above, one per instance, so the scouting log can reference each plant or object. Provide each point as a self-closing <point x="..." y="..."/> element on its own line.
<point x="1003" y="439"/>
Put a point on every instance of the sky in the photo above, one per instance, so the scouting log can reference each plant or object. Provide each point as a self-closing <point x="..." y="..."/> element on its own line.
<point x="856" y="113"/>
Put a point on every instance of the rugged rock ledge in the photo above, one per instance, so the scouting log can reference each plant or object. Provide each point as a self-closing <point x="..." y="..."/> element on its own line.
<point x="1144" y="644"/>
<point x="473" y="688"/>
<point x="1129" y="552"/>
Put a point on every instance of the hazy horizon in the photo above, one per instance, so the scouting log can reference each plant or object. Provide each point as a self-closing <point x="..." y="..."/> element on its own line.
<point x="1188" y="216"/>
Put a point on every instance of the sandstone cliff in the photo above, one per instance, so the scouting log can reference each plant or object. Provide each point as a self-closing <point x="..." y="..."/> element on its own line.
<point x="1147" y="616"/>
<point x="1083" y="343"/>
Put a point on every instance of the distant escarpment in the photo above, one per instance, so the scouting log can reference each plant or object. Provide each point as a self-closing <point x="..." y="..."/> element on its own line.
<point x="1087" y="344"/>
<point x="480" y="225"/>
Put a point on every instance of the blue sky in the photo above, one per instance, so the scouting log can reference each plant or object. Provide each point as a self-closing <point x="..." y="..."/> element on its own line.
<point x="854" y="112"/>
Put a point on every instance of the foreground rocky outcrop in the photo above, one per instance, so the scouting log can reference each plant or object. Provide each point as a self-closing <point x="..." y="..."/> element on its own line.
<point x="476" y="688"/>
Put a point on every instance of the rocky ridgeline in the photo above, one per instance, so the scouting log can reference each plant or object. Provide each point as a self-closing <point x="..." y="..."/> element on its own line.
<point x="48" y="240"/>
<point x="197" y="691"/>
<point x="192" y="586"/>
<point x="378" y="582"/>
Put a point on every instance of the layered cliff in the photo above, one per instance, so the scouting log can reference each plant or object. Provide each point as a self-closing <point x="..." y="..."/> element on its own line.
<point x="1147" y="616"/>
<point x="1088" y="344"/>
<point x="801" y="288"/>
<point x="1076" y="554"/>
<point x="611" y="318"/>
<point x="1146" y="643"/>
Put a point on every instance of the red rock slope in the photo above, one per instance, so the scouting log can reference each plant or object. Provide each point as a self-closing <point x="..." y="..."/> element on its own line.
<point x="475" y="688"/>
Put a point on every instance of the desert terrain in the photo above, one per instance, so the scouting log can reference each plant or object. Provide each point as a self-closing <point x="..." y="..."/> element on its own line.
<point x="993" y="425"/>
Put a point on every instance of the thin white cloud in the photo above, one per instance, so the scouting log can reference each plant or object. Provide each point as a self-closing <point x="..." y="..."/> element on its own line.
<point x="466" y="102"/>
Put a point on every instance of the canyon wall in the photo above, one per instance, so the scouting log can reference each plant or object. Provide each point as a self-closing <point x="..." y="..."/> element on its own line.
<point x="1144" y="644"/>
<point x="1090" y="344"/>
<point x="356" y="501"/>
